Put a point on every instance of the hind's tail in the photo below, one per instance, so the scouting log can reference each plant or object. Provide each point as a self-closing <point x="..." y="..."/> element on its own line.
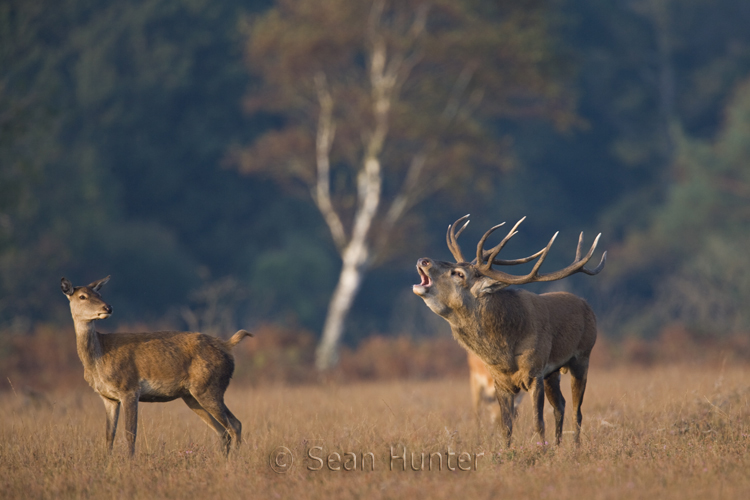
<point x="237" y="337"/>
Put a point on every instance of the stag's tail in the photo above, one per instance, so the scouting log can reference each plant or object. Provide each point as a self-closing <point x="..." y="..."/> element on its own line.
<point x="237" y="337"/>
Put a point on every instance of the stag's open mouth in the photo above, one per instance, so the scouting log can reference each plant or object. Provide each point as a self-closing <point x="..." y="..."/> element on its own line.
<point x="426" y="281"/>
<point x="425" y="285"/>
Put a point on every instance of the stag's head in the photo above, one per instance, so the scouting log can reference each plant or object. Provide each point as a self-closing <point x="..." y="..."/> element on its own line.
<point x="447" y="287"/>
<point x="85" y="302"/>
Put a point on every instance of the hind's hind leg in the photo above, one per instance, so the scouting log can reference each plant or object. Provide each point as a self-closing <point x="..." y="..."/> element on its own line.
<point x="236" y="425"/>
<point x="194" y="405"/>
<point x="218" y="410"/>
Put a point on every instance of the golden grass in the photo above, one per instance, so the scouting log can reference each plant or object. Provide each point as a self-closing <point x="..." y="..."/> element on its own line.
<point x="672" y="432"/>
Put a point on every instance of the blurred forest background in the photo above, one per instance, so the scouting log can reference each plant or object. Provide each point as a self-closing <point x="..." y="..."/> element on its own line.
<point x="172" y="144"/>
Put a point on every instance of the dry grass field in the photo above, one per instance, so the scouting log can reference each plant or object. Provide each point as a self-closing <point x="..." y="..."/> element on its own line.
<point x="670" y="432"/>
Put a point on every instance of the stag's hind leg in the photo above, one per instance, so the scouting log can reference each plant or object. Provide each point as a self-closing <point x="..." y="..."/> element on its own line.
<point x="556" y="399"/>
<point x="579" y="368"/>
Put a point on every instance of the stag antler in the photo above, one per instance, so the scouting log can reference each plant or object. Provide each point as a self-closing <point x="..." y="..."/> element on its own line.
<point x="489" y="255"/>
<point x="452" y="240"/>
<point x="485" y="260"/>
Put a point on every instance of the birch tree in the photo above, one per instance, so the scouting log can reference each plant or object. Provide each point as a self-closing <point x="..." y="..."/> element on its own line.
<point x="379" y="105"/>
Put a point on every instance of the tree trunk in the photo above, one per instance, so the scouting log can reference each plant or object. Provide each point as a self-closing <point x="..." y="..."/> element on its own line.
<point x="385" y="79"/>
<point x="356" y="261"/>
<point x="350" y="280"/>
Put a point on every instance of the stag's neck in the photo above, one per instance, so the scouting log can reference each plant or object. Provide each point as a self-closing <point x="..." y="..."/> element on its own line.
<point x="477" y="319"/>
<point x="492" y="328"/>
<point x="88" y="344"/>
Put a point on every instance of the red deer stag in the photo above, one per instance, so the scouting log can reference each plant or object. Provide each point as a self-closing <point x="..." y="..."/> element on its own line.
<point x="525" y="339"/>
<point x="125" y="368"/>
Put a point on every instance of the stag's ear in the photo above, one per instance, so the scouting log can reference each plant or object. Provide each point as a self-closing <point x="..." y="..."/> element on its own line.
<point x="484" y="286"/>
<point x="96" y="285"/>
<point x="67" y="286"/>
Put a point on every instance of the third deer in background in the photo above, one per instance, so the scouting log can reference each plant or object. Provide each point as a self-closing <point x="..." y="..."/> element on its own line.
<point x="483" y="389"/>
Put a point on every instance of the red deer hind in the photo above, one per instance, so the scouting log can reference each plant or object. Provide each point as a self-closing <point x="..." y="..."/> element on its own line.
<point x="125" y="368"/>
<point x="525" y="339"/>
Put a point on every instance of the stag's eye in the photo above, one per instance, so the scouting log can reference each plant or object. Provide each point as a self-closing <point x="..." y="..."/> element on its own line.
<point x="457" y="273"/>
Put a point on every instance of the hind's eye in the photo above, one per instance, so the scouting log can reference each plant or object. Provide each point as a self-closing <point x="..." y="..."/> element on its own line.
<point x="82" y="297"/>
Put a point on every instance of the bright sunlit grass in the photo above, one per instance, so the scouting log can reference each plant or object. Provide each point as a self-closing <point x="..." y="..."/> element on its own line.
<point x="674" y="432"/>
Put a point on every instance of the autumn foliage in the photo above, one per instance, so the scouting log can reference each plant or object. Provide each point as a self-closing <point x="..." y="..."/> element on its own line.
<point x="47" y="359"/>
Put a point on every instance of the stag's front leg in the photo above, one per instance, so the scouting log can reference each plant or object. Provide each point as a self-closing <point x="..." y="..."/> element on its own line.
<point x="505" y="399"/>
<point x="112" y="408"/>
<point x="130" y="410"/>
<point x="537" y="402"/>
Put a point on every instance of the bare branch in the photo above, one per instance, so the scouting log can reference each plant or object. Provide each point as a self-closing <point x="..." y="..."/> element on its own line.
<point x="376" y="13"/>
<point x="454" y="101"/>
<point x="405" y="198"/>
<point x="322" y="192"/>
<point x="420" y="21"/>
<point x="403" y="70"/>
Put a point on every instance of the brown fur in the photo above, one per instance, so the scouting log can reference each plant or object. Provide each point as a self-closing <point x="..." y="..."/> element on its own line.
<point x="525" y="339"/>
<point x="483" y="389"/>
<point x="125" y="368"/>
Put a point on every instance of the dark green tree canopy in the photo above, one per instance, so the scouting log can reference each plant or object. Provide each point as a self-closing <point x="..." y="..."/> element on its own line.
<point x="454" y="65"/>
<point x="117" y="120"/>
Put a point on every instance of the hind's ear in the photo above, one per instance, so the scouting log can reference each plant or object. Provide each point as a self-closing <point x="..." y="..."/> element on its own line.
<point x="67" y="286"/>
<point x="96" y="285"/>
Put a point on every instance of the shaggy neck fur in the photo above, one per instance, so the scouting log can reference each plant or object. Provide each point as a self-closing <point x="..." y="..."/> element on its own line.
<point x="490" y="328"/>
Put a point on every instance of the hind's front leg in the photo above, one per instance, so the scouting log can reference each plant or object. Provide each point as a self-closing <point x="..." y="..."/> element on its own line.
<point x="112" y="408"/>
<point x="130" y="410"/>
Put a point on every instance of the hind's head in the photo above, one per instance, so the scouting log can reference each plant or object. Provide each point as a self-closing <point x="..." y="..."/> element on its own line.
<point x="85" y="302"/>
